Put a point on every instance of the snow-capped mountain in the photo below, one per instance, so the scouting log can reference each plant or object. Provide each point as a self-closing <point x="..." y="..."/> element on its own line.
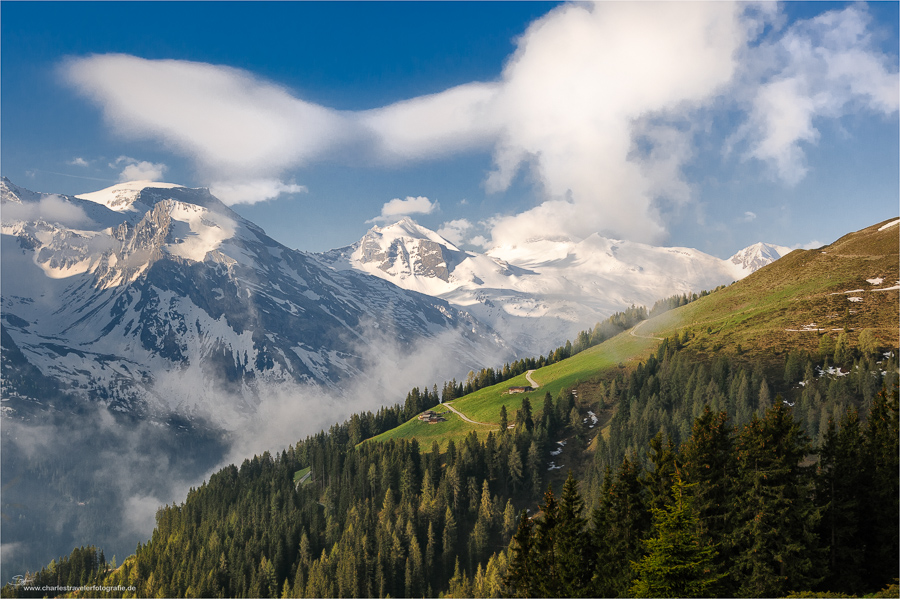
<point x="155" y="298"/>
<point x="538" y="294"/>
<point x="754" y="257"/>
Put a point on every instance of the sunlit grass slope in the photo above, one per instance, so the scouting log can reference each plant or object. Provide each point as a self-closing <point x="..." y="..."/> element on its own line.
<point x="484" y="405"/>
<point x="793" y="301"/>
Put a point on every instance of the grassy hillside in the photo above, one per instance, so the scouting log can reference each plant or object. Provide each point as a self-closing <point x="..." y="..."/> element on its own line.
<point x="793" y="301"/>
<point x="484" y="405"/>
<point x="786" y="305"/>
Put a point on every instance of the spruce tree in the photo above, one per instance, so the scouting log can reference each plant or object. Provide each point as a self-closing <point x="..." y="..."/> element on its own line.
<point x="882" y="505"/>
<point x="521" y="573"/>
<point x="546" y="531"/>
<point x="840" y="489"/>
<point x="775" y="542"/>
<point x="573" y="546"/>
<point x="619" y="524"/>
<point x="708" y="467"/>
<point x="678" y="563"/>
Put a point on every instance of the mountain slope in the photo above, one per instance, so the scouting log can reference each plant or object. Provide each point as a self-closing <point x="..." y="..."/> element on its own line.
<point x="541" y="292"/>
<point x="154" y="297"/>
<point x="846" y="287"/>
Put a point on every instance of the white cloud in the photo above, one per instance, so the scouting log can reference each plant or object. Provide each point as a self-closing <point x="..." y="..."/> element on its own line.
<point x="455" y="231"/>
<point x="225" y="118"/>
<point x="811" y="245"/>
<point x="824" y="67"/>
<point x="252" y="191"/>
<point x="600" y="104"/>
<point x="411" y="205"/>
<point x="50" y="208"/>
<point x="749" y="216"/>
<point x="595" y="107"/>
<point x="78" y="161"/>
<point x="457" y="119"/>
<point x="139" y="170"/>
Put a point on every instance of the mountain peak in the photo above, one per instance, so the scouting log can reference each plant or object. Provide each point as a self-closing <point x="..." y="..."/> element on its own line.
<point x="122" y="196"/>
<point x="409" y="229"/>
<point x="754" y="257"/>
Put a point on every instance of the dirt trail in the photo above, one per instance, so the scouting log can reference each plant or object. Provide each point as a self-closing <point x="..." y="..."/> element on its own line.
<point x="633" y="332"/>
<point x="466" y="418"/>
<point x="534" y="385"/>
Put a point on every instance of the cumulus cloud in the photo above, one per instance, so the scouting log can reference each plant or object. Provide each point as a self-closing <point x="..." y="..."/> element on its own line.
<point x="139" y="170"/>
<point x="78" y="161"/>
<point x="397" y="208"/>
<point x="252" y="191"/>
<point x="50" y="208"/>
<point x="600" y="105"/>
<point x="456" y="231"/>
<point x="820" y="68"/>
<point x="596" y="109"/>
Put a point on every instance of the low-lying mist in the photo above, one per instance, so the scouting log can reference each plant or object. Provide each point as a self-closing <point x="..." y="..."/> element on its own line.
<point x="96" y="476"/>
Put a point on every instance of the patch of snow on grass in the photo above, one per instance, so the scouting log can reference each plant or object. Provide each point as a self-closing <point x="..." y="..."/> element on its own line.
<point x="855" y="299"/>
<point x="553" y="466"/>
<point x="875" y="281"/>
<point x="894" y="288"/>
<point x="832" y="371"/>
<point x="890" y="224"/>
<point x="807" y="328"/>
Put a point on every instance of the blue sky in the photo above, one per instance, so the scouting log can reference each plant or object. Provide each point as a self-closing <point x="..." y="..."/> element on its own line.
<point x="707" y="125"/>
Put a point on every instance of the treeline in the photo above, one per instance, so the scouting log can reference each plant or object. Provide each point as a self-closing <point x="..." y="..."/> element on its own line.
<point x="669" y="391"/>
<point x="731" y="512"/>
<point x="382" y="519"/>
<point x="369" y="424"/>
<point x="84" y="566"/>
<point x="607" y="329"/>
<point x="676" y="301"/>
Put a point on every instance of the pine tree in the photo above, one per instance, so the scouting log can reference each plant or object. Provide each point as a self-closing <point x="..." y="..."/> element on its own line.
<point x="881" y="507"/>
<point x="776" y="547"/>
<point x="521" y="573"/>
<point x="678" y="563"/>
<point x="840" y="490"/>
<point x="548" y="583"/>
<point x="708" y="470"/>
<point x="449" y="540"/>
<point x="662" y="454"/>
<point x="573" y="545"/>
<point x="619" y="524"/>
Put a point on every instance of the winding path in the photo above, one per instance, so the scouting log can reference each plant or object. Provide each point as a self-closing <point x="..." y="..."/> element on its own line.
<point x="534" y="385"/>
<point x="633" y="333"/>
<point x="464" y="417"/>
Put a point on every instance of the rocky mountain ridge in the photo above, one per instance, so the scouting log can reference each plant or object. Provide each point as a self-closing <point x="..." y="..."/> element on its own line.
<point x="153" y="298"/>
<point x="539" y="293"/>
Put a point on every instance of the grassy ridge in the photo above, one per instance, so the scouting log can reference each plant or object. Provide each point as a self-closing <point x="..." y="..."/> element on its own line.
<point x="484" y="404"/>
<point x="765" y="312"/>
